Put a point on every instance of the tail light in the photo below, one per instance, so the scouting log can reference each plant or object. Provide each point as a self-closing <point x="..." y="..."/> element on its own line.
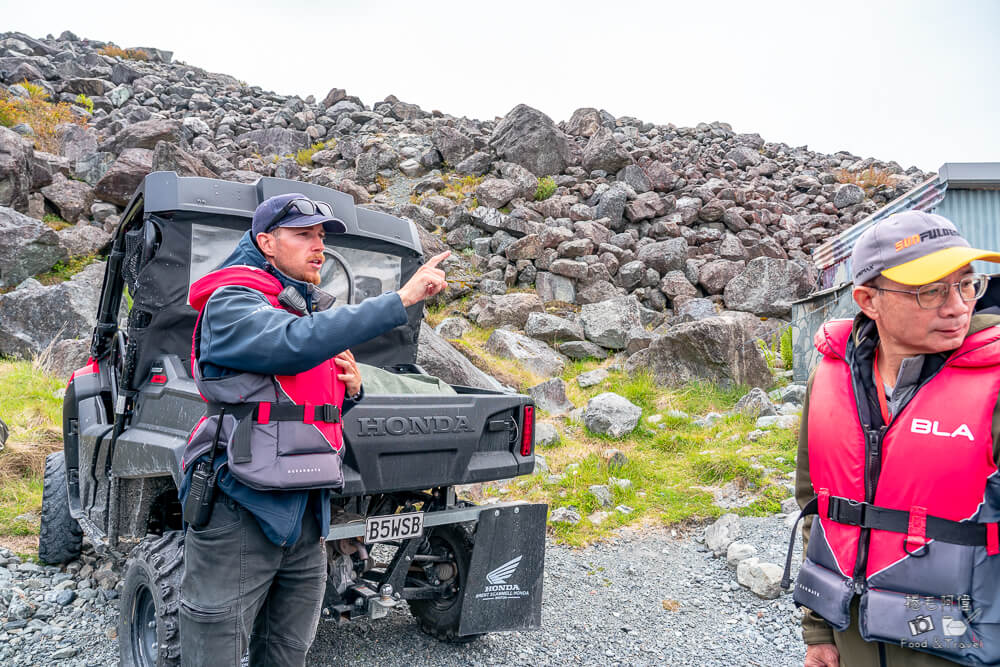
<point x="528" y="430"/>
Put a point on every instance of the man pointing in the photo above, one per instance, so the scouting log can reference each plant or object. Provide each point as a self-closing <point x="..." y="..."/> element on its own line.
<point x="271" y="358"/>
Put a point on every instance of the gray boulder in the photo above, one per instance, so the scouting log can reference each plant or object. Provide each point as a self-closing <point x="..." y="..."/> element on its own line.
<point x="715" y="275"/>
<point x="83" y="239"/>
<point x="121" y="180"/>
<point x="27" y="247"/>
<point x="529" y="138"/>
<point x="452" y="144"/>
<point x="75" y="141"/>
<point x="755" y="404"/>
<point x="605" y="153"/>
<point x="552" y="328"/>
<point x="439" y="358"/>
<point x="5" y="433"/>
<point x="720" y="349"/>
<point x="171" y="157"/>
<point x="33" y="317"/>
<point x="274" y="140"/>
<point x="505" y="310"/>
<point x="16" y="171"/>
<point x="584" y="122"/>
<point x="526" y="182"/>
<point x="767" y="286"/>
<point x="696" y="309"/>
<point x="552" y="287"/>
<point x="46" y="165"/>
<point x="533" y="354"/>
<point x="763" y="579"/>
<point x="72" y="198"/>
<point x="551" y="396"/>
<point x="564" y="515"/>
<point x="495" y="192"/>
<point x="145" y="134"/>
<point x="582" y="349"/>
<point x="608" y="323"/>
<point x="546" y="435"/>
<point x="848" y="194"/>
<point x="744" y="157"/>
<point x="591" y="378"/>
<point x="722" y="533"/>
<point x="664" y="256"/>
<point x="90" y="168"/>
<point x="453" y="327"/>
<point x="611" y="414"/>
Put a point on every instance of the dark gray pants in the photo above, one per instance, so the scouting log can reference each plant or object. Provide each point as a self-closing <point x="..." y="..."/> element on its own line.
<point x="241" y="590"/>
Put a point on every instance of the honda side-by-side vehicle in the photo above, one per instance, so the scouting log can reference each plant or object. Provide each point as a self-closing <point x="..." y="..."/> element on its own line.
<point x="399" y="535"/>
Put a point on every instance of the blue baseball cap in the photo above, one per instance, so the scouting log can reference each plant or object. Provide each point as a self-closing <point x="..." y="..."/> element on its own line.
<point x="278" y="211"/>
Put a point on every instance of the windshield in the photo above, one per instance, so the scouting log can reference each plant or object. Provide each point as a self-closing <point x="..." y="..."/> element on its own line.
<point x="374" y="273"/>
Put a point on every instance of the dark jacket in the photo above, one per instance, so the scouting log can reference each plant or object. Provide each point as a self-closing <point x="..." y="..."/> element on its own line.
<point x="860" y="356"/>
<point x="242" y="332"/>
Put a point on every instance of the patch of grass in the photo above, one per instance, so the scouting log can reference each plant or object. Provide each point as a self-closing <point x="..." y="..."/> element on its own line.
<point x="546" y="188"/>
<point x="382" y="182"/>
<point x="85" y="102"/>
<point x="786" y="348"/>
<point x="127" y="54"/>
<point x="32" y="410"/>
<point x="304" y="156"/>
<point x="20" y="496"/>
<point x="55" y="222"/>
<point x="456" y="188"/>
<point x="63" y="271"/>
<point x="675" y="466"/>
<point x="37" y="111"/>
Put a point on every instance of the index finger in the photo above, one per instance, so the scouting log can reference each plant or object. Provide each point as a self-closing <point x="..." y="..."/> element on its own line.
<point x="437" y="259"/>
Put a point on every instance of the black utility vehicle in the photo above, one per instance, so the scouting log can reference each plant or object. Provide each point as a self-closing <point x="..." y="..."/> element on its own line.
<point x="463" y="570"/>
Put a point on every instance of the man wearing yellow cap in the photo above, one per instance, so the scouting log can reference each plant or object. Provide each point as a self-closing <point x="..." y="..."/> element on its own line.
<point x="897" y="459"/>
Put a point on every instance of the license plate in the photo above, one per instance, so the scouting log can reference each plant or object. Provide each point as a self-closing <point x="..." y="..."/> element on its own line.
<point x="394" y="527"/>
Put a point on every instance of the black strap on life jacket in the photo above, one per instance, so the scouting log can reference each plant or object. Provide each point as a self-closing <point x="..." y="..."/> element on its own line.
<point x="247" y="413"/>
<point x="866" y="515"/>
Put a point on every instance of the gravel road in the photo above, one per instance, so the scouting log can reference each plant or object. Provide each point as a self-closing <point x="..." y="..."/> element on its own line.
<point x="646" y="597"/>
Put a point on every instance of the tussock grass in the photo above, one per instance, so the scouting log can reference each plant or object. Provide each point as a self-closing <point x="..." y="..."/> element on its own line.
<point x="32" y="410"/>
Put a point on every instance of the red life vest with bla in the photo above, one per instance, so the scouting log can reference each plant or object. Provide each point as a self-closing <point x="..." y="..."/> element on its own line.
<point x="279" y="431"/>
<point x="907" y="515"/>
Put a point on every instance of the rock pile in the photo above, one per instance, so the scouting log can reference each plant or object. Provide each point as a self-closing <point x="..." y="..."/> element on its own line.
<point x="635" y="225"/>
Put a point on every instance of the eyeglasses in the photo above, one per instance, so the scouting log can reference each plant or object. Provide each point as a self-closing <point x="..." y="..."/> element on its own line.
<point x="933" y="295"/>
<point x="303" y="206"/>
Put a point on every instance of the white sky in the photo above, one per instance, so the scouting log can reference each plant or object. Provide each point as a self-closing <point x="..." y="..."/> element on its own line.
<point x="907" y="80"/>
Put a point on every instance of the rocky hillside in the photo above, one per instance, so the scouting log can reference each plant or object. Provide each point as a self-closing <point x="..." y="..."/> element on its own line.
<point x="669" y="238"/>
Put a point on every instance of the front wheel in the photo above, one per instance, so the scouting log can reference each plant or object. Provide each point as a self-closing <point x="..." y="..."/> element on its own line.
<point x="441" y="617"/>
<point x="148" y="630"/>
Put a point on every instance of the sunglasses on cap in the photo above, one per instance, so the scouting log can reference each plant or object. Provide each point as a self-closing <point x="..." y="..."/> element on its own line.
<point x="303" y="206"/>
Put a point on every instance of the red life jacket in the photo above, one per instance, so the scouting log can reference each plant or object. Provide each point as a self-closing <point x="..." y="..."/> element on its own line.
<point x="291" y="423"/>
<point x="919" y="543"/>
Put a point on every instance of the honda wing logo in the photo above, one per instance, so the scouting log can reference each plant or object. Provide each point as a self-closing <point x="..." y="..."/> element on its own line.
<point x="497" y="588"/>
<point x="504" y="572"/>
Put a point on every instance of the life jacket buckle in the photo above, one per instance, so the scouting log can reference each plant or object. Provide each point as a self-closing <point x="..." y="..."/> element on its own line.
<point x="330" y="413"/>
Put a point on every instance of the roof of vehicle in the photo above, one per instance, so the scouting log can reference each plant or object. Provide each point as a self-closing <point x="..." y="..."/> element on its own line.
<point x="166" y="191"/>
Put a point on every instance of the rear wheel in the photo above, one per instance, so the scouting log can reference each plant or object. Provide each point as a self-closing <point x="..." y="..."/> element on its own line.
<point x="441" y="617"/>
<point x="60" y="538"/>
<point x="148" y="631"/>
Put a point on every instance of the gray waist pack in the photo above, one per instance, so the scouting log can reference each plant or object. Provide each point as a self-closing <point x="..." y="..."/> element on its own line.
<point x="283" y="452"/>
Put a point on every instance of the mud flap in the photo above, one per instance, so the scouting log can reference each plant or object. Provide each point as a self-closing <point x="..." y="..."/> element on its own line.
<point x="504" y="588"/>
